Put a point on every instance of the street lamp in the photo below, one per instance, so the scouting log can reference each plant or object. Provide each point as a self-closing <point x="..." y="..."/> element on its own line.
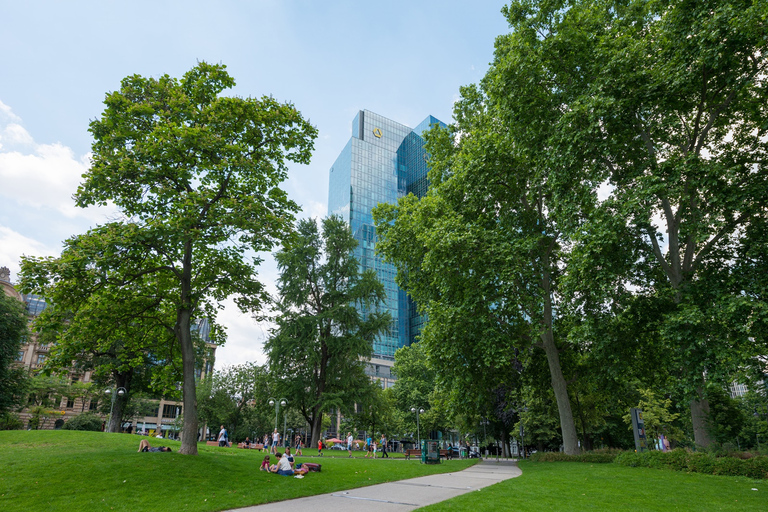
<point x="418" y="432"/>
<point x="118" y="391"/>
<point x="277" y="404"/>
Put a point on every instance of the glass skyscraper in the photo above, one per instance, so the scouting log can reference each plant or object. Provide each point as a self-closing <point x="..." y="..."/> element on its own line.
<point x="383" y="161"/>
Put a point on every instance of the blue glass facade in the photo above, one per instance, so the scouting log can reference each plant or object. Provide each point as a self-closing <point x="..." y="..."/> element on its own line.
<point x="383" y="161"/>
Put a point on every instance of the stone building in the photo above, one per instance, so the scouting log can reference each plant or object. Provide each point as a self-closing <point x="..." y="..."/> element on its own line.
<point x="160" y="416"/>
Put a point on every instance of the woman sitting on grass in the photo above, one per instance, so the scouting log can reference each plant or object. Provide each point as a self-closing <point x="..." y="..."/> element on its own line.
<point x="284" y="467"/>
<point x="144" y="447"/>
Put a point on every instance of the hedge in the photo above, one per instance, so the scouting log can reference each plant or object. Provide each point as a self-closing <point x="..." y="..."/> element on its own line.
<point x="594" y="457"/>
<point x="698" y="462"/>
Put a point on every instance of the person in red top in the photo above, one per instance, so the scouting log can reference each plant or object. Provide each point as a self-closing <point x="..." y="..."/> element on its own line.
<point x="320" y="447"/>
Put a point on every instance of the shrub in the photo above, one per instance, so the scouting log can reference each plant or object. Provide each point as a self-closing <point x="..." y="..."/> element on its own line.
<point x="728" y="466"/>
<point x="631" y="459"/>
<point x="701" y="463"/>
<point x="756" y="467"/>
<point x="602" y="456"/>
<point x="10" y="421"/>
<point x="85" y="421"/>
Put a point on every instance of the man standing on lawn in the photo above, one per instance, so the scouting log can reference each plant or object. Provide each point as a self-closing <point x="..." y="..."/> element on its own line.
<point x="349" y="443"/>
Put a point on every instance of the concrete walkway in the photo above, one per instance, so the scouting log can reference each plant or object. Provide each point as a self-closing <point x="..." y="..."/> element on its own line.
<point x="401" y="495"/>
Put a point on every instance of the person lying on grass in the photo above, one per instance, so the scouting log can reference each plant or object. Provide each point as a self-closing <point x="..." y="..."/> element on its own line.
<point x="144" y="447"/>
<point x="284" y="467"/>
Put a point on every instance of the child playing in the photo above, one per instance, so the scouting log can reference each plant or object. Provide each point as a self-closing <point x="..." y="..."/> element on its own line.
<point x="320" y="447"/>
<point x="265" y="464"/>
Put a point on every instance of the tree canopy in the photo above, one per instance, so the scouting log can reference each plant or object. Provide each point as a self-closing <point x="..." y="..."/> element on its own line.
<point x="327" y="319"/>
<point x="197" y="176"/>
<point x="13" y="333"/>
<point x="609" y="170"/>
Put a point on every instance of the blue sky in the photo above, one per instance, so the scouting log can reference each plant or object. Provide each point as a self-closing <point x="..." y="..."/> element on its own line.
<point x="401" y="59"/>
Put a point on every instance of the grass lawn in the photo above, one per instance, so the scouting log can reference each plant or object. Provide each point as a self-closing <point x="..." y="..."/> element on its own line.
<point x="565" y="486"/>
<point x="69" y="471"/>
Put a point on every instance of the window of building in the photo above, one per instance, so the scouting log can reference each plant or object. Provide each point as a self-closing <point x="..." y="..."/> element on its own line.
<point x="171" y="411"/>
<point x="70" y="403"/>
<point x="40" y="358"/>
<point x="20" y="355"/>
<point x="93" y="405"/>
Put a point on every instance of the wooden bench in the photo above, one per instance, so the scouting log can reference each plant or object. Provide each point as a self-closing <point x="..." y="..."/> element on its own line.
<point x="213" y="443"/>
<point x="444" y="453"/>
<point x="253" y="446"/>
<point x="408" y="453"/>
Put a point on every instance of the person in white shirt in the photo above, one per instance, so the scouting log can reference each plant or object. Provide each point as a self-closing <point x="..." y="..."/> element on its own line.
<point x="275" y="441"/>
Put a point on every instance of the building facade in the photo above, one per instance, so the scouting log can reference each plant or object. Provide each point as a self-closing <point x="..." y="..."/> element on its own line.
<point x="160" y="415"/>
<point x="382" y="162"/>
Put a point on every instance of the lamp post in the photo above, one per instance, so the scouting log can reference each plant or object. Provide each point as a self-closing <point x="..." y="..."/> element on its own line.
<point x="418" y="432"/>
<point x="118" y="391"/>
<point x="277" y="404"/>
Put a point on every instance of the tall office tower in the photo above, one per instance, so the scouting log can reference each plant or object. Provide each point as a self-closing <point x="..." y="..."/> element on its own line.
<point x="382" y="162"/>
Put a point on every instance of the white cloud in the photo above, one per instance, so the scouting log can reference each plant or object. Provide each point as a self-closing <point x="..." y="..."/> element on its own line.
<point x="14" y="134"/>
<point x="245" y="337"/>
<point x="6" y="112"/>
<point x="13" y="245"/>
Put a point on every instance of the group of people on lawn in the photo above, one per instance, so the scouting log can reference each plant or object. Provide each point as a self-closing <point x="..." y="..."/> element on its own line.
<point x="370" y="446"/>
<point x="286" y="465"/>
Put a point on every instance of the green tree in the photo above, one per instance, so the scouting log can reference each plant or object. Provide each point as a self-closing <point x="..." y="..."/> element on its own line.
<point x="327" y="319"/>
<point x="13" y="333"/>
<point x="484" y="251"/>
<point x="657" y="416"/>
<point x="197" y="176"/>
<point x="105" y="319"/>
<point x="231" y="397"/>
<point x="665" y="102"/>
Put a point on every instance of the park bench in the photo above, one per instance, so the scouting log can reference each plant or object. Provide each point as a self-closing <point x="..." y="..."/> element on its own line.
<point x="253" y="446"/>
<point x="213" y="443"/>
<point x="408" y="453"/>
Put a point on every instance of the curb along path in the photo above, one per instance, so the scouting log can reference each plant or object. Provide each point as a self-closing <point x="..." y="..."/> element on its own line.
<point x="401" y="495"/>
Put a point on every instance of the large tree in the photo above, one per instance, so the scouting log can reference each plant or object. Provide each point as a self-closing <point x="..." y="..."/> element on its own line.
<point x="198" y="176"/>
<point x="105" y="317"/>
<point x="484" y="251"/>
<point x="665" y="103"/>
<point x="327" y="318"/>
<point x="13" y="333"/>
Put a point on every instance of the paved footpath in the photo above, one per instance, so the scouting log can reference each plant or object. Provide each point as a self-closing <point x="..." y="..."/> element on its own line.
<point x="403" y="494"/>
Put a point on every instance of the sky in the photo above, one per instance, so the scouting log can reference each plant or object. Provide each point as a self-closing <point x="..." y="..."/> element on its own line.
<point x="401" y="59"/>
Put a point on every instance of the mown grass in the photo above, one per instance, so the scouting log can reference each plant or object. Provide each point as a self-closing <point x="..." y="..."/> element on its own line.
<point x="573" y="486"/>
<point x="93" y="471"/>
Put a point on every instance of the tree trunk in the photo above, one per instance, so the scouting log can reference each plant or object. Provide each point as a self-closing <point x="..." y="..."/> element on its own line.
<point x="183" y="335"/>
<point x="315" y="427"/>
<point x="559" y="386"/>
<point x="121" y="381"/>
<point x="700" y="417"/>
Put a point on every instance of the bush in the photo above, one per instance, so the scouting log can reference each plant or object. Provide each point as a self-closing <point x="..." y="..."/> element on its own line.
<point x="10" y="421"/>
<point x="699" y="462"/>
<point x="756" y="467"/>
<point x="85" y="421"/>
<point x="599" y="457"/>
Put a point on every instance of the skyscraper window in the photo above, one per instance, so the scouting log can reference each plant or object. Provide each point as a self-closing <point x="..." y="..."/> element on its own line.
<point x="383" y="161"/>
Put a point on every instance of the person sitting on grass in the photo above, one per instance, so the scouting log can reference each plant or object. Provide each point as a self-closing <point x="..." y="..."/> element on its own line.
<point x="265" y="464"/>
<point x="284" y="468"/>
<point x="144" y="447"/>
